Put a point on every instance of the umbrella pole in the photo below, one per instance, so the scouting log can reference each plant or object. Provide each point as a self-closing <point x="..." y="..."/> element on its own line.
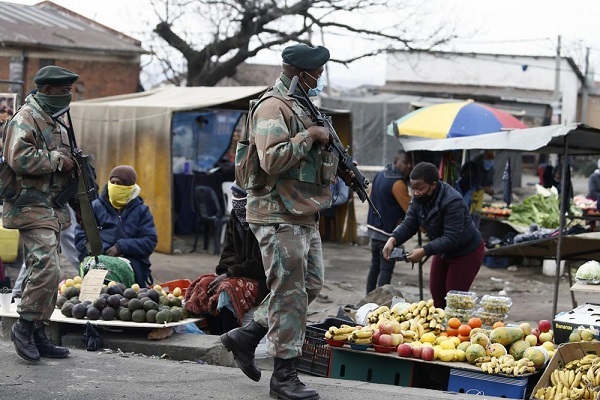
<point x="420" y="242"/>
<point x="563" y="188"/>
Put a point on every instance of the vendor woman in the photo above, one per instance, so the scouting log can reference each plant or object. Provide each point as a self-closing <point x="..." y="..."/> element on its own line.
<point x="455" y="244"/>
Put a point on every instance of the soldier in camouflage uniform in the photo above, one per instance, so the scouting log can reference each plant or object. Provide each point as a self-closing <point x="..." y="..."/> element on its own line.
<point x="295" y="175"/>
<point x="37" y="149"/>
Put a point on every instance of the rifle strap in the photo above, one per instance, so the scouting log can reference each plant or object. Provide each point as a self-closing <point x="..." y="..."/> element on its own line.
<point x="90" y="226"/>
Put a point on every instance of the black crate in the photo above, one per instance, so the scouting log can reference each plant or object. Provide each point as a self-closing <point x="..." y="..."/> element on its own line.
<point x="316" y="353"/>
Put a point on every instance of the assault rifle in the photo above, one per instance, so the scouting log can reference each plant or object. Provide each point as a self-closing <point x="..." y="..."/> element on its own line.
<point x="81" y="188"/>
<point x="359" y="183"/>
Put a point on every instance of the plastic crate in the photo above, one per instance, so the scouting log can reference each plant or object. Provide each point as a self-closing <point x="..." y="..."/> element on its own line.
<point x="477" y="383"/>
<point x="497" y="262"/>
<point x="182" y="284"/>
<point x="368" y="366"/>
<point x="316" y="353"/>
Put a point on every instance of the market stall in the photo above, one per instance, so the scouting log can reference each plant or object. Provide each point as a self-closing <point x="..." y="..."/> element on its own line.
<point x="564" y="140"/>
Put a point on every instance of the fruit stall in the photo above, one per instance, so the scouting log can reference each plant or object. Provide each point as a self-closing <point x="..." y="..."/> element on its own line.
<point x="466" y="347"/>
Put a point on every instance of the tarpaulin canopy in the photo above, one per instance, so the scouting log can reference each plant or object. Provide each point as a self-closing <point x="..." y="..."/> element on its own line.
<point x="137" y="129"/>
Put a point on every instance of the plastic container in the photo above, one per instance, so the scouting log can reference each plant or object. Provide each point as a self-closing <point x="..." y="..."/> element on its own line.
<point x="489" y="318"/>
<point x="479" y="383"/>
<point x="463" y="315"/>
<point x="461" y="300"/>
<point x="495" y="304"/>
<point x="384" y="349"/>
<point x="182" y="284"/>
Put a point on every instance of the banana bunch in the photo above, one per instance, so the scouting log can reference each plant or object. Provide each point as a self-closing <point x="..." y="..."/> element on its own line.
<point x="421" y="318"/>
<point x="340" y="334"/>
<point x="382" y="312"/>
<point x="506" y="365"/>
<point x="361" y="336"/>
<point x="578" y="379"/>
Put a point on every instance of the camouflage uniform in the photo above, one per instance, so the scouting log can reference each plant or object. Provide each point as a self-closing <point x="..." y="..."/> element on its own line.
<point x="33" y="147"/>
<point x="284" y="215"/>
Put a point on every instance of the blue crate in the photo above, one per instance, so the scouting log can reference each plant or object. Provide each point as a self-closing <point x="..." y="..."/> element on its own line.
<point x="497" y="262"/>
<point x="462" y="381"/>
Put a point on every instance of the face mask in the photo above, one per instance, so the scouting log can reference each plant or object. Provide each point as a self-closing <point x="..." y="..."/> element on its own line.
<point x="53" y="104"/>
<point x="119" y="195"/>
<point x="488" y="164"/>
<point x="426" y="197"/>
<point x="314" y="92"/>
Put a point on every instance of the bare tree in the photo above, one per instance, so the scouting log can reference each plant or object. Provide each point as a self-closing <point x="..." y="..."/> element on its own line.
<point x="215" y="36"/>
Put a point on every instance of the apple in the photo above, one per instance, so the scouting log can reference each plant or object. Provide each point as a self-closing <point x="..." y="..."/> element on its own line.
<point x="545" y="337"/>
<point x="427" y="353"/>
<point x="396" y="327"/>
<point x="535" y="332"/>
<point x="397" y="339"/>
<point x="386" y="340"/>
<point x="417" y="351"/>
<point x="386" y="327"/>
<point x="405" y="350"/>
<point x="544" y="325"/>
<point x="532" y="339"/>
<point x="526" y="328"/>
<point x="375" y="336"/>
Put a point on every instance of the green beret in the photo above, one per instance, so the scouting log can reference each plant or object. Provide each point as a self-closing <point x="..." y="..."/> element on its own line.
<point x="55" y="76"/>
<point x="304" y="57"/>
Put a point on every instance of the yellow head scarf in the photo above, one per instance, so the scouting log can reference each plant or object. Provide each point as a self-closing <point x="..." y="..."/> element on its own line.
<point x="119" y="195"/>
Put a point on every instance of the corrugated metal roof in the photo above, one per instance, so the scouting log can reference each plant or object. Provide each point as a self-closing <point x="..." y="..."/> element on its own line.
<point x="48" y="25"/>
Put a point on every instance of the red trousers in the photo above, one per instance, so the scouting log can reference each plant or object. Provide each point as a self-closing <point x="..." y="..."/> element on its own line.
<point x="457" y="273"/>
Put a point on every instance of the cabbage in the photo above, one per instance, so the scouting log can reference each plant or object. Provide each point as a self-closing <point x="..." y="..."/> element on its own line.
<point x="589" y="272"/>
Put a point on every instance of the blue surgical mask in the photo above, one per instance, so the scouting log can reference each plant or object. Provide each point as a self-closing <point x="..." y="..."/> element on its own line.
<point x="314" y="92"/>
<point x="488" y="164"/>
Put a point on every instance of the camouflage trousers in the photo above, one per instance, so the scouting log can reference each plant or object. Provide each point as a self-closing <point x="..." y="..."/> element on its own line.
<point x="293" y="261"/>
<point x="40" y="251"/>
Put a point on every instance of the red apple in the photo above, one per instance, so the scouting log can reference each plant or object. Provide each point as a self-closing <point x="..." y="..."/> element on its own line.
<point x="535" y="332"/>
<point x="386" y="327"/>
<point x="375" y="336"/>
<point x="385" y="340"/>
<point x="427" y="353"/>
<point x="544" y="325"/>
<point x="405" y="350"/>
<point x="416" y="351"/>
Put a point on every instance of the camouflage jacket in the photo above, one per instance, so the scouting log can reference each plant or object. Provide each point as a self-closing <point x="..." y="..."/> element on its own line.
<point x="302" y="170"/>
<point x="32" y="150"/>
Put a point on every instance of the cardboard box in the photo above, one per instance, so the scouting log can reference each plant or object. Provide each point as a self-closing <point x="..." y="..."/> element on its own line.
<point x="565" y="354"/>
<point x="585" y="315"/>
<point x="9" y="244"/>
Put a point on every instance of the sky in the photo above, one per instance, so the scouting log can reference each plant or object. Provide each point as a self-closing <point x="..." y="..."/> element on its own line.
<point x="509" y="26"/>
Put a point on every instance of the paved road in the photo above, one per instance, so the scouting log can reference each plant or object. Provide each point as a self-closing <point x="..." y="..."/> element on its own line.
<point x="110" y="376"/>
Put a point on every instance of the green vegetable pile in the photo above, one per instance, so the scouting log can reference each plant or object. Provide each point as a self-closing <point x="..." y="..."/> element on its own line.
<point x="543" y="210"/>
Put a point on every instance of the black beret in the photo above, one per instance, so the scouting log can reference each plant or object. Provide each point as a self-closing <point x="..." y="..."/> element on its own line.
<point x="304" y="57"/>
<point x="56" y="76"/>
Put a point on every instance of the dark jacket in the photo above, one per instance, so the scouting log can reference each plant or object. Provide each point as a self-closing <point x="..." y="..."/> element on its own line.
<point x="241" y="256"/>
<point x="447" y="222"/>
<point x="132" y="231"/>
<point x="385" y="202"/>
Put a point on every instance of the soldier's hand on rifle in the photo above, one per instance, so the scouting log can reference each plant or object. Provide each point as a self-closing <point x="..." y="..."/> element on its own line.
<point x="319" y="134"/>
<point x="68" y="162"/>
<point x="347" y="176"/>
<point x="112" y="251"/>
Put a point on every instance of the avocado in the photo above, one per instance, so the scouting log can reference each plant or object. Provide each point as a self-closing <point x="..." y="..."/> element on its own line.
<point x="108" y="314"/>
<point x="163" y="300"/>
<point x="121" y="286"/>
<point x="114" y="289"/>
<point x="67" y="309"/>
<point x="60" y="301"/>
<point x="100" y="303"/>
<point x="154" y="295"/>
<point x="134" y="304"/>
<point x="175" y="301"/>
<point x="113" y="301"/>
<point x="125" y="314"/>
<point x="151" y="316"/>
<point x="93" y="313"/>
<point x="79" y="311"/>
<point x="129" y="293"/>
<point x="124" y="302"/>
<point x="150" y="305"/>
<point x="138" y="315"/>
<point x="163" y="316"/>
<point x="72" y="292"/>
<point x="176" y="313"/>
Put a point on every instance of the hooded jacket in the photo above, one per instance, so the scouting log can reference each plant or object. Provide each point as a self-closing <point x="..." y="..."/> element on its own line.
<point x="447" y="222"/>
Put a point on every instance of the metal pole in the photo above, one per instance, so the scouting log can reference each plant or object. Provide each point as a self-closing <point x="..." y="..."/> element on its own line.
<point x="563" y="188"/>
<point x="584" y="97"/>
<point x="420" y="242"/>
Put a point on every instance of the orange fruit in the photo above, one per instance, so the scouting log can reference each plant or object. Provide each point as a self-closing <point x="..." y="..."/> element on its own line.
<point x="463" y="338"/>
<point x="464" y="330"/>
<point x="454" y="323"/>
<point x="498" y="324"/>
<point x="475" y="322"/>
<point x="452" y="332"/>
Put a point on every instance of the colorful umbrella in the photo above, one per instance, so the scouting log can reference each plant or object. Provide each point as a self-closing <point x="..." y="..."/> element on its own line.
<point x="465" y="118"/>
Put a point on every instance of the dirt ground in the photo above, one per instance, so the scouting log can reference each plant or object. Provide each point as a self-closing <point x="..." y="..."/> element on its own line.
<point x="347" y="267"/>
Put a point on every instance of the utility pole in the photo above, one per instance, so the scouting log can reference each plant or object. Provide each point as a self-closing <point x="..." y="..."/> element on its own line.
<point x="557" y="96"/>
<point x="586" y="86"/>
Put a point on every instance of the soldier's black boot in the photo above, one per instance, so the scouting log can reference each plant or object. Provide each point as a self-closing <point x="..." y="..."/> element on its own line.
<point x="45" y="347"/>
<point x="242" y="342"/>
<point x="21" y="334"/>
<point x="285" y="383"/>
